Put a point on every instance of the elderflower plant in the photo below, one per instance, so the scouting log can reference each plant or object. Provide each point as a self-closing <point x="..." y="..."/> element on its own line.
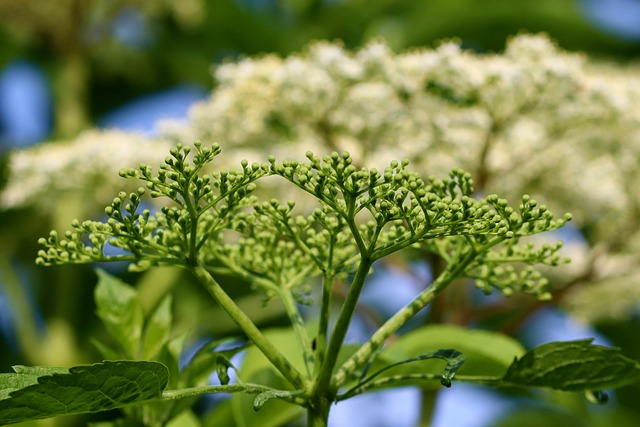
<point x="214" y="225"/>
<point x="359" y="209"/>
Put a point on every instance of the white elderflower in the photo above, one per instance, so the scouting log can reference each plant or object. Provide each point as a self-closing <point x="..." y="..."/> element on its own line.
<point x="409" y="71"/>
<point x="367" y="108"/>
<point x="335" y="60"/>
<point x="87" y="165"/>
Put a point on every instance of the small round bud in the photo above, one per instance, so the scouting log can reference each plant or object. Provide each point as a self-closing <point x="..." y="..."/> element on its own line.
<point x="545" y="296"/>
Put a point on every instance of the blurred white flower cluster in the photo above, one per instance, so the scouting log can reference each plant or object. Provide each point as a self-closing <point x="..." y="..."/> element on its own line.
<point x="529" y="110"/>
<point x="87" y="166"/>
<point x="534" y="119"/>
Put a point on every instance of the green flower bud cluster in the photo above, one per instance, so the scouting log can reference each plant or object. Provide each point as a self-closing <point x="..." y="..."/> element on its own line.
<point x="508" y="267"/>
<point x="501" y="260"/>
<point x="396" y="208"/>
<point x="214" y="220"/>
<point x="508" y="279"/>
<point x="276" y="250"/>
<point x="70" y="249"/>
<point x="198" y="208"/>
<point x="125" y="228"/>
<point x="263" y="255"/>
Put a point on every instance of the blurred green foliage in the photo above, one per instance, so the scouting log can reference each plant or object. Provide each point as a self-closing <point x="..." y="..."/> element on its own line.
<point x="93" y="70"/>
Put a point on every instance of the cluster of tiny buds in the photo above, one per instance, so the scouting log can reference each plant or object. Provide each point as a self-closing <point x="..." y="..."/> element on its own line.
<point x="69" y="249"/>
<point x="359" y="210"/>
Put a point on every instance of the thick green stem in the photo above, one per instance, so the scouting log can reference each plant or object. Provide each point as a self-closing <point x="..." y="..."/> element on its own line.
<point x="322" y="384"/>
<point x="318" y="412"/>
<point x="249" y="328"/>
<point x="390" y="327"/>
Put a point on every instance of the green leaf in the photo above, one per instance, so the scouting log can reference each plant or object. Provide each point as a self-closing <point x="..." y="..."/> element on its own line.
<point x="170" y="357"/>
<point x="486" y="353"/>
<point x="24" y="376"/>
<point x="258" y="370"/>
<point x="573" y="366"/>
<point x="158" y="329"/>
<point x="81" y="389"/>
<point x="120" y="310"/>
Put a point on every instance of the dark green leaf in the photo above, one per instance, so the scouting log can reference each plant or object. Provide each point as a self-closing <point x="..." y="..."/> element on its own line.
<point x="81" y="389"/>
<point x="24" y="376"/>
<point x="120" y="310"/>
<point x="573" y="366"/>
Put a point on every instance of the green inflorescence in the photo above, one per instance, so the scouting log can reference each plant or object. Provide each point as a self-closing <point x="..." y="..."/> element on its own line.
<point x="213" y="219"/>
<point x="220" y="223"/>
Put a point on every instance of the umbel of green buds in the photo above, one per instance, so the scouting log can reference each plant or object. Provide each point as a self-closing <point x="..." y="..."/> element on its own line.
<point x="211" y="219"/>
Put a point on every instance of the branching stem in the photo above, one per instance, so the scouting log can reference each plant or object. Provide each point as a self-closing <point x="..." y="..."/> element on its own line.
<point x="323" y="380"/>
<point x="249" y="328"/>
<point x="365" y="352"/>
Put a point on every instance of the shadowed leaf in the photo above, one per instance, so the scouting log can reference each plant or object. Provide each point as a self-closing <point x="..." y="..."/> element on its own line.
<point x="82" y="389"/>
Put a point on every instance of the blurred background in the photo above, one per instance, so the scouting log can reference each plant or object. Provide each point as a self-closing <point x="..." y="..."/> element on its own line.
<point x="71" y="65"/>
<point x="68" y="66"/>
